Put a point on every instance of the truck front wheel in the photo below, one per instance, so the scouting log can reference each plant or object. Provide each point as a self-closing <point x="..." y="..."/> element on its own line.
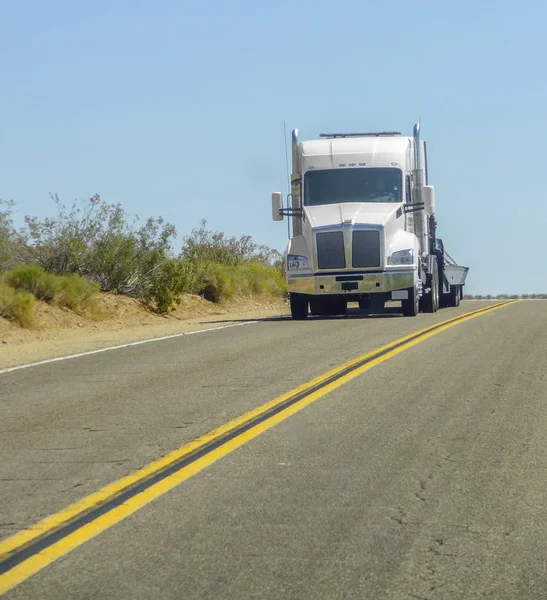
<point x="299" y="306"/>
<point x="411" y="306"/>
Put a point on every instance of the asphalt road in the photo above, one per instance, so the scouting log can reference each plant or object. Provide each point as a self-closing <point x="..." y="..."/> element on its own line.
<point x="424" y="477"/>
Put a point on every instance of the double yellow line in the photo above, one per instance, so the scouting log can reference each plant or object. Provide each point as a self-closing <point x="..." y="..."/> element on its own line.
<point x="30" y="550"/>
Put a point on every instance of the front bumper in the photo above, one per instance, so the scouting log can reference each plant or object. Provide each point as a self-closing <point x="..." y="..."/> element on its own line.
<point x="383" y="281"/>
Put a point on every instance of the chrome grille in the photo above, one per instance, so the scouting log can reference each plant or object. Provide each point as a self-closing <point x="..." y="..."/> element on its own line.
<point x="330" y="250"/>
<point x="365" y="249"/>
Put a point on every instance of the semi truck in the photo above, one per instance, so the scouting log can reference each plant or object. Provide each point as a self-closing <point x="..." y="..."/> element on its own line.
<point x="362" y="227"/>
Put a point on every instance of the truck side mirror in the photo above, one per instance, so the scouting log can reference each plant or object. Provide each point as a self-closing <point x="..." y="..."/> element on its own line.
<point x="277" y="206"/>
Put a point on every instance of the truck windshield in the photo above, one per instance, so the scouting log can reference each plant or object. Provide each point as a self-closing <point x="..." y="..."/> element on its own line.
<point x="334" y="186"/>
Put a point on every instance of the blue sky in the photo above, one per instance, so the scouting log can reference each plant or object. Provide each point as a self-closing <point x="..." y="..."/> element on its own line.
<point x="177" y="109"/>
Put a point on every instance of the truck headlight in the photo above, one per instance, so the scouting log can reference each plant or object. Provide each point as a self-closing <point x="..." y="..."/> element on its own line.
<point x="294" y="261"/>
<point x="402" y="257"/>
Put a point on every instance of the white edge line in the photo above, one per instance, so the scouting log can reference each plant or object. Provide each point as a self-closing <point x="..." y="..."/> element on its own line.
<point x="107" y="349"/>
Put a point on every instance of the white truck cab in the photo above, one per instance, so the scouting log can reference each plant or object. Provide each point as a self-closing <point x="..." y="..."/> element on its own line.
<point x="363" y="226"/>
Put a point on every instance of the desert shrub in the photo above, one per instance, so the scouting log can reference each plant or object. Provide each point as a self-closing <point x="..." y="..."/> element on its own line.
<point x="71" y="291"/>
<point x="167" y="283"/>
<point x="101" y="242"/>
<point x="75" y="292"/>
<point x="208" y="246"/>
<point x="217" y="282"/>
<point x="97" y="242"/>
<point x="34" y="280"/>
<point x="18" y="306"/>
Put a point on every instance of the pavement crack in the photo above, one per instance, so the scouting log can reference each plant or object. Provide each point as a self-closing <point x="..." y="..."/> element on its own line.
<point x="449" y="458"/>
<point x="400" y="518"/>
<point x="437" y="552"/>
<point x="184" y="425"/>
<point x="86" y="462"/>
<point x="48" y="449"/>
<point x="421" y="494"/>
<point x="465" y="529"/>
<point x="31" y="479"/>
<point x="228" y="385"/>
<point x="72" y="487"/>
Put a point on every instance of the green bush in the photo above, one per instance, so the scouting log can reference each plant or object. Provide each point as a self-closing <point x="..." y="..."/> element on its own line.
<point x="75" y="292"/>
<point x="167" y="283"/>
<point x="217" y="282"/>
<point x="34" y="280"/>
<point x="17" y="306"/>
<point x="206" y="246"/>
<point x="261" y="279"/>
<point x="70" y="291"/>
<point x="101" y="242"/>
<point x="225" y="267"/>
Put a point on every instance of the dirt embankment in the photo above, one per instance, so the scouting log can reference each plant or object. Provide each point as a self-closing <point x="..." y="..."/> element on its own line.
<point x="117" y="320"/>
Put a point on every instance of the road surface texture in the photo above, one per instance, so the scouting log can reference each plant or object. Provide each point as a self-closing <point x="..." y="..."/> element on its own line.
<point x="423" y="477"/>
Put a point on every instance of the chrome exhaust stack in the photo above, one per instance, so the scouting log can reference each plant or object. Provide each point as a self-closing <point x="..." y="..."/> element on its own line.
<point x="419" y="221"/>
<point x="295" y="150"/>
<point x="296" y="185"/>
<point x="417" y="154"/>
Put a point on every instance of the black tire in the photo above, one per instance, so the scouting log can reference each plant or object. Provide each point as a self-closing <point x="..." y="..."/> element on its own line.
<point x="299" y="306"/>
<point x="455" y="295"/>
<point x="411" y="307"/>
<point x="431" y="301"/>
<point x="437" y="286"/>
